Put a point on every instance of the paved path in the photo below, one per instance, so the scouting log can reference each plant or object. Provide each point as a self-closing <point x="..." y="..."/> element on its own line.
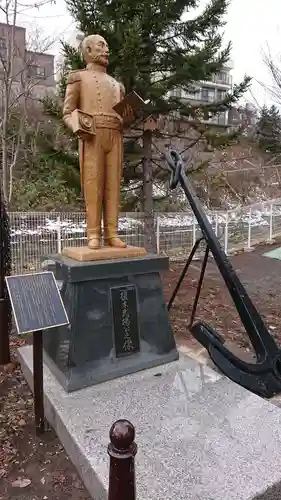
<point x="260" y="275"/>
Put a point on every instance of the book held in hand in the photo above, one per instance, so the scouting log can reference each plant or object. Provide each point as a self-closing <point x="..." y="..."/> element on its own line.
<point x="131" y="108"/>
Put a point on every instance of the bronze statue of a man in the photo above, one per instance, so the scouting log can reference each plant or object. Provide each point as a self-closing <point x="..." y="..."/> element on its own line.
<point x="92" y="91"/>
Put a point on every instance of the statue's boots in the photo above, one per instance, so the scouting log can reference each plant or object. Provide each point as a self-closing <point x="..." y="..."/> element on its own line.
<point x="111" y="221"/>
<point x="93" y="242"/>
<point x="114" y="242"/>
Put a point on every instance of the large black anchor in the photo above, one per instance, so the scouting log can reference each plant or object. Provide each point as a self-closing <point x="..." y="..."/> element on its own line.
<point x="262" y="377"/>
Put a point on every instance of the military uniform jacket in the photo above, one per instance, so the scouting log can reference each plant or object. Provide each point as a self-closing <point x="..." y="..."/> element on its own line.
<point x="93" y="92"/>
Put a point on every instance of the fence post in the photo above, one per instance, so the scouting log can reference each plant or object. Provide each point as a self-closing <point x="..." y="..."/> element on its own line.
<point x="249" y="228"/>
<point x="158" y="234"/>
<point x="21" y="256"/>
<point x="122" y="450"/>
<point x="194" y="231"/>
<point x="59" y="234"/>
<point x="217" y="224"/>
<point x="226" y="234"/>
<point x="271" y="223"/>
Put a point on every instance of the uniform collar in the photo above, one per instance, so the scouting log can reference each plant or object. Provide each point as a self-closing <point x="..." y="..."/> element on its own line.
<point x="96" y="67"/>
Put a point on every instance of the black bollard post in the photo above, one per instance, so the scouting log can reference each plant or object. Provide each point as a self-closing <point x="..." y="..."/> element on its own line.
<point x="122" y="450"/>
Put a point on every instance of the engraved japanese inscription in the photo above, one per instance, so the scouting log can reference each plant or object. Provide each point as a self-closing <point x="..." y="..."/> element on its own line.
<point x="125" y="320"/>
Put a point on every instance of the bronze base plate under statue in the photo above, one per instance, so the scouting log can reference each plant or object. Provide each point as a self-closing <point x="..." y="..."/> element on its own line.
<point x="86" y="254"/>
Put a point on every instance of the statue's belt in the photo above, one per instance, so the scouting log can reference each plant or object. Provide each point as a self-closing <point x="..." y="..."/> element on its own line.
<point x="107" y="121"/>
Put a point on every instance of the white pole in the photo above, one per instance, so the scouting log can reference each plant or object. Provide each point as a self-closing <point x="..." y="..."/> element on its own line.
<point x="226" y="233"/>
<point x="59" y="234"/>
<point x="249" y="228"/>
<point x="271" y="223"/>
<point x="158" y="234"/>
<point x="217" y="224"/>
<point x="22" y="260"/>
<point x="194" y="231"/>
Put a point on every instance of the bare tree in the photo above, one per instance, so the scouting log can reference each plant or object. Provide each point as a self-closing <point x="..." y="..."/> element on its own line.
<point x="273" y="63"/>
<point x="17" y="83"/>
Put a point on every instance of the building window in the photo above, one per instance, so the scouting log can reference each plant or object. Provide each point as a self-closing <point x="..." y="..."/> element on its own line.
<point x="188" y="95"/>
<point x="221" y="95"/>
<point x="222" y="118"/>
<point x="208" y="95"/>
<point x="36" y="72"/>
<point x="223" y="77"/>
<point x="205" y="94"/>
<point x="3" y="44"/>
<point x="177" y="93"/>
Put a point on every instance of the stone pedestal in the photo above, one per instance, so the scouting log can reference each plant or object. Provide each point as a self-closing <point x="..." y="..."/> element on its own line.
<point x="118" y="320"/>
<point x="199" y="435"/>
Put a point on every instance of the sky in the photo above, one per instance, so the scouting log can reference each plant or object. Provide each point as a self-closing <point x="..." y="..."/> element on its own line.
<point x="252" y="26"/>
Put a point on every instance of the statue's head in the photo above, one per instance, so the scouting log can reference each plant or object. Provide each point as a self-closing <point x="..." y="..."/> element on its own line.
<point x="95" y="50"/>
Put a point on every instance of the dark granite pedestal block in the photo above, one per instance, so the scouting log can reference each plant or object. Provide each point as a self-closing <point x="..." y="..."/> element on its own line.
<point x="118" y="320"/>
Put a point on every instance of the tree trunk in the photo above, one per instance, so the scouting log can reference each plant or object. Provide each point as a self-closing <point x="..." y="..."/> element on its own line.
<point x="4" y="141"/>
<point x="147" y="193"/>
<point x="5" y="270"/>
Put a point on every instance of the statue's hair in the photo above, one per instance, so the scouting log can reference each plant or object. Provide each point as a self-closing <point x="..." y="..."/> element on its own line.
<point x="85" y="43"/>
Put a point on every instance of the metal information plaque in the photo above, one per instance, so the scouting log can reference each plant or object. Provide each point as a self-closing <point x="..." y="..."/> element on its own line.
<point x="36" y="302"/>
<point x="125" y="320"/>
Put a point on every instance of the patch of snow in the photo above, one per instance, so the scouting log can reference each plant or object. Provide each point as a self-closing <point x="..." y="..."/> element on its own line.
<point x="30" y="225"/>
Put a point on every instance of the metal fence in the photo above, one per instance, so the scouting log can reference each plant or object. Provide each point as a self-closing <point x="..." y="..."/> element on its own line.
<point x="34" y="234"/>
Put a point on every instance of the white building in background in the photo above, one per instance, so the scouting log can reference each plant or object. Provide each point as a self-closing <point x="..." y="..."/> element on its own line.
<point x="32" y="72"/>
<point x="208" y="91"/>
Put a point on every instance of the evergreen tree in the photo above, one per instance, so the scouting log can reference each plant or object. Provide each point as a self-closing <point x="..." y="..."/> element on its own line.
<point x="269" y="130"/>
<point x="155" y="48"/>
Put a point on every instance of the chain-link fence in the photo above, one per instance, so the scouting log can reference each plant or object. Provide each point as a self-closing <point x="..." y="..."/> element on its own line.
<point x="34" y="234"/>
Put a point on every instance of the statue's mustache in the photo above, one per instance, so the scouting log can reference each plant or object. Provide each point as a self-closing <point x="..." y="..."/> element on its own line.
<point x="96" y="57"/>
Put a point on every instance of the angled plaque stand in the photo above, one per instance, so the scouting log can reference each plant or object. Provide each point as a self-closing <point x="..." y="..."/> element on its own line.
<point x="37" y="306"/>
